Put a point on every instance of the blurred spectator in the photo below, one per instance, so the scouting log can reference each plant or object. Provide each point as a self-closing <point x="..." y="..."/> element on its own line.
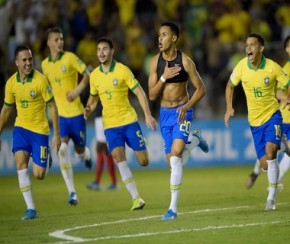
<point x="210" y="30"/>
<point x="86" y="48"/>
<point x="283" y="18"/>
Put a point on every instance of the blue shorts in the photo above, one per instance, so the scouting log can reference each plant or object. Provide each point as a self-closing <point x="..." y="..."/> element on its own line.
<point x="267" y="132"/>
<point x="286" y="130"/>
<point x="74" y="128"/>
<point x="171" y="129"/>
<point x="130" y="134"/>
<point x="34" y="143"/>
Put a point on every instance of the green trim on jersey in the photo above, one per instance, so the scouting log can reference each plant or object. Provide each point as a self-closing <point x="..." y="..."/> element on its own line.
<point x="112" y="67"/>
<point x="262" y="65"/>
<point x="58" y="58"/>
<point x="134" y="87"/>
<point x="29" y="77"/>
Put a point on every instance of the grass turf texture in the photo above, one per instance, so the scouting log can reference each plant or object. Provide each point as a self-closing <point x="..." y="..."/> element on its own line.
<point x="214" y="207"/>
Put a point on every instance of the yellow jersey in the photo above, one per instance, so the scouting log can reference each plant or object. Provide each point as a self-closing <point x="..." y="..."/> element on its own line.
<point x="259" y="87"/>
<point x="30" y="98"/>
<point x="285" y="112"/>
<point x="112" y="89"/>
<point x="63" y="77"/>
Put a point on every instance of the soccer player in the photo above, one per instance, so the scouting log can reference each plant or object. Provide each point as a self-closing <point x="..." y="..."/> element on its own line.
<point x="260" y="77"/>
<point x="284" y="165"/>
<point x="170" y="71"/>
<point x="103" y="156"/>
<point x="30" y="91"/>
<point x="62" y="69"/>
<point x="110" y="83"/>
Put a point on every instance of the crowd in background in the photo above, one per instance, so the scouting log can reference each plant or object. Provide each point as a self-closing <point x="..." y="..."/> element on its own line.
<point x="212" y="34"/>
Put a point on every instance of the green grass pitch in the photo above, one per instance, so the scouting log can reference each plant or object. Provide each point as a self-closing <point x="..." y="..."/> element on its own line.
<point x="214" y="207"/>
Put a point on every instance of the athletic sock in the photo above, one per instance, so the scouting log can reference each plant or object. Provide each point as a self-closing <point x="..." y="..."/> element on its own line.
<point x="175" y="181"/>
<point x="111" y="168"/>
<point x="273" y="174"/>
<point x="25" y="187"/>
<point x="284" y="166"/>
<point x="99" y="166"/>
<point x="127" y="178"/>
<point x="66" y="167"/>
<point x="257" y="168"/>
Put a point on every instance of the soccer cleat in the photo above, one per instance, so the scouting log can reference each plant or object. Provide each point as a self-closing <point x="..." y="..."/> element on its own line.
<point x="30" y="214"/>
<point x="88" y="164"/>
<point x="270" y="205"/>
<point x="138" y="203"/>
<point x="202" y="142"/>
<point x="73" y="199"/>
<point x="94" y="186"/>
<point x="112" y="187"/>
<point x="170" y="215"/>
<point x="251" y="180"/>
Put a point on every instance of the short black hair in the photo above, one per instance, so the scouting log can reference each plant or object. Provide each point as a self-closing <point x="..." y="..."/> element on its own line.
<point x="174" y="27"/>
<point x="107" y="40"/>
<point x="54" y="29"/>
<point x="260" y="38"/>
<point x="287" y="39"/>
<point x="20" y="48"/>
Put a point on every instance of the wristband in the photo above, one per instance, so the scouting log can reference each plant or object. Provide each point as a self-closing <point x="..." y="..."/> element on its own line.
<point x="162" y="79"/>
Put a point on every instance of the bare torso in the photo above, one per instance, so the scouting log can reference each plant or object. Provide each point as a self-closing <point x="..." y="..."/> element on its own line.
<point x="174" y="94"/>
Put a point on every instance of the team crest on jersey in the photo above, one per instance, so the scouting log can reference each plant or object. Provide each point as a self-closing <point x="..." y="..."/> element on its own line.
<point x="32" y="93"/>
<point x="63" y="69"/>
<point x="267" y="81"/>
<point x="115" y="82"/>
<point x="48" y="89"/>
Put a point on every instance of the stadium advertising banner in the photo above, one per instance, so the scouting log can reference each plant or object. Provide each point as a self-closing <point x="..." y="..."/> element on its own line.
<point x="232" y="146"/>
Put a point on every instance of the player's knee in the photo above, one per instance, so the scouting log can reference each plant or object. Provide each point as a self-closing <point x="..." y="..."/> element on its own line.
<point x="144" y="162"/>
<point x="39" y="174"/>
<point x="143" y="159"/>
<point x="176" y="153"/>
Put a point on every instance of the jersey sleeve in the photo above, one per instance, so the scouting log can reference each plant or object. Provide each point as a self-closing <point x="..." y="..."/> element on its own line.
<point x="93" y="88"/>
<point x="282" y="77"/>
<point x="78" y="64"/>
<point x="46" y="90"/>
<point x="130" y="79"/>
<point x="9" y="98"/>
<point x="235" y="77"/>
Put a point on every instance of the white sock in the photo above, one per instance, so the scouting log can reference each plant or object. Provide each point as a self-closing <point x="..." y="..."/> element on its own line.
<point x="86" y="155"/>
<point x="273" y="174"/>
<point x="257" y="169"/>
<point x="175" y="181"/>
<point x="25" y="187"/>
<point x="66" y="167"/>
<point x="284" y="166"/>
<point x="127" y="178"/>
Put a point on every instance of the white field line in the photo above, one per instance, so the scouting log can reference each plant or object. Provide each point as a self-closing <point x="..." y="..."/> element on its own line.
<point x="71" y="239"/>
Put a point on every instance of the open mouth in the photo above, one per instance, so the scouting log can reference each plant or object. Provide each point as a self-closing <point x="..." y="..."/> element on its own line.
<point x="160" y="45"/>
<point x="250" y="56"/>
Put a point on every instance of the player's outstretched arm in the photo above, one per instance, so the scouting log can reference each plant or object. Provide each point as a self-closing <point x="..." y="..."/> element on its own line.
<point x="91" y="105"/>
<point x="72" y="95"/>
<point x="229" y="104"/>
<point x="150" y="121"/>
<point x="56" y="136"/>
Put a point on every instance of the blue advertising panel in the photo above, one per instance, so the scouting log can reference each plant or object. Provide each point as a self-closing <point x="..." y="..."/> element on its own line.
<point x="228" y="146"/>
